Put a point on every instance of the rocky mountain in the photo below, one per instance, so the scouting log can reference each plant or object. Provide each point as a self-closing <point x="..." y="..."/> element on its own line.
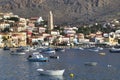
<point x="65" y="11"/>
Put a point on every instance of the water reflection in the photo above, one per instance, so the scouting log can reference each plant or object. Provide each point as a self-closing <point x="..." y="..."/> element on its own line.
<point x="53" y="77"/>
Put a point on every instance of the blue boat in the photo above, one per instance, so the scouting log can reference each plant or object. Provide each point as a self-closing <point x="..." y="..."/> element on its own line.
<point x="36" y="57"/>
<point x="48" y="50"/>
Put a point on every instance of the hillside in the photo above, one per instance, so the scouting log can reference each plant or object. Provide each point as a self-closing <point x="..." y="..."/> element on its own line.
<point x="65" y="11"/>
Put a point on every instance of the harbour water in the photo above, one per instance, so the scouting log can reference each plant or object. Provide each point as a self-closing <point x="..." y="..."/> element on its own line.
<point x="16" y="67"/>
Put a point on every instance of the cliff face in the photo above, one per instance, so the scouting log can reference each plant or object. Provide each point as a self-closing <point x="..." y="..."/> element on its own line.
<point x="71" y="11"/>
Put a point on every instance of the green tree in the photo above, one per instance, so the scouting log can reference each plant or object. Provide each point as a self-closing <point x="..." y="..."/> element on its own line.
<point x="4" y="39"/>
<point x="13" y="19"/>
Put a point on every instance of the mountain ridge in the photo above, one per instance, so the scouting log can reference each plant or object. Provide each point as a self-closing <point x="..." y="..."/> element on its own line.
<point x="65" y="11"/>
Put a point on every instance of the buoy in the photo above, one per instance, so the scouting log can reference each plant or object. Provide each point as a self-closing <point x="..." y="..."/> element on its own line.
<point x="71" y="75"/>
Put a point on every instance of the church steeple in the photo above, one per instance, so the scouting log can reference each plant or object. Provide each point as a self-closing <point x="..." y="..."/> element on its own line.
<point x="50" y="22"/>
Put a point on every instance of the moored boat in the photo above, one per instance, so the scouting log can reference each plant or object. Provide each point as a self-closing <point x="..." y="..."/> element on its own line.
<point x="93" y="49"/>
<point x="6" y="48"/>
<point x="37" y="57"/>
<point x="91" y="63"/>
<point x="48" y="50"/>
<point x="17" y="52"/>
<point x="54" y="56"/>
<point x="114" y="50"/>
<point x="51" y="72"/>
<point x="60" y="49"/>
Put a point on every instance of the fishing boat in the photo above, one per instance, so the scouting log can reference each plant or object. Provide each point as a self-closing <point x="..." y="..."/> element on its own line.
<point x="54" y="56"/>
<point x="114" y="50"/>
<point x="79" y="48"/>
<point x="99" y="48"/>
<point x="37" y="57"/>
<point x="51" y="72"/>
<point x="6" y="48"/>
<point x="48" y="51"/>
<point x="93" y="49"/>
<point x="17" y="52"/>
<point x="59" y="49"/>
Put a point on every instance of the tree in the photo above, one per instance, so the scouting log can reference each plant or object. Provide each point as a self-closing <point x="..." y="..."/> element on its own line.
<point x="4" y="39"/>
<point x="7" y="29"/>
<point x="13" y="19"/>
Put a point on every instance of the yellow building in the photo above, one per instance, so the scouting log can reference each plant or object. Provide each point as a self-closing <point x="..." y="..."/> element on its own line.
<point x="112" y="39"/>
<point x="13" y="39"/>
<point x="19" y="39"/>
<point x="5" y="39"/>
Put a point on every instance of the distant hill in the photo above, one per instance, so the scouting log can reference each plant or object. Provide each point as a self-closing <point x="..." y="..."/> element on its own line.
<point x="65" y="11"/>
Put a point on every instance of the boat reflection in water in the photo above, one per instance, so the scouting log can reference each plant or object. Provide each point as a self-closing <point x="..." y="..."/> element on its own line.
<point x="54" y="77"/>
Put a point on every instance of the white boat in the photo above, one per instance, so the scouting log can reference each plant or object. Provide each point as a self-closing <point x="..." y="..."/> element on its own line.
<point x="93" y="49"/>
<point x="51" y="72"/>
<point x="91" y="63"/>
<point x="114" y="50"/>
<point x="48" y="51"/>
<point x="32" y="48"/>
<point x="17" y="52"/>
<point x="37" y="57"/>
<point x="79" y="48"/>
<point x="23" y="48"/>
<point x="99" y="48"/>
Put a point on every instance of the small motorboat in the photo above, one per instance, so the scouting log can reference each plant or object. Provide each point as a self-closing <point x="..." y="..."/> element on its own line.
<point x="102" y="54"/>
<point x="94" y="49"/>
<point x="37" y="57"/>
<point x="99" y="48"/>
<point x="59" y="49"/>
<point x="51" y="72"/>
<point x="54" y="56"/>
<point x="48" y="50"/>
<point x="79" y="48"/>
<point x="91" y="63"/>
<point x="17" y="52"/>
<point x="6" y="48"/>
<point x="114" y="50"/>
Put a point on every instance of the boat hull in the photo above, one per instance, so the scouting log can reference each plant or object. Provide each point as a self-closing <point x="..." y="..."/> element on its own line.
<point x="17" y="53"/>
<point x="91" y="63"/>
<point x="48" y="52"/>
<point x="59" y="49"/>
<point x="54" y="57"/>
<point x="51" y="72"/>
<point x="38" y="60"/>
<point x="114" y="50"/>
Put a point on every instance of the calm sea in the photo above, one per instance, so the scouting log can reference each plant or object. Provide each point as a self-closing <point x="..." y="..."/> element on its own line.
<point x="16" y="67"/>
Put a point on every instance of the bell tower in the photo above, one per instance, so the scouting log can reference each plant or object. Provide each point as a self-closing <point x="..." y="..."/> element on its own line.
<point x="50" y="22"/>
